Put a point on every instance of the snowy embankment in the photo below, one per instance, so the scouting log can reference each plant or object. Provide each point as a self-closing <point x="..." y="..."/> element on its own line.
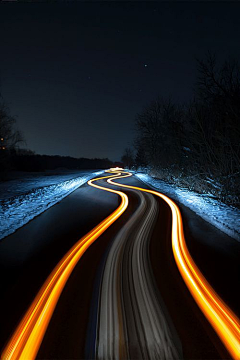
<point x="17" y="209"/>
<point x="224" y="217"/>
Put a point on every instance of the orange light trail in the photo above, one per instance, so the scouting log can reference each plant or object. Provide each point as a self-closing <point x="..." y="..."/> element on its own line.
<point x="29" y="334"/>
<point x="221" y="317"/>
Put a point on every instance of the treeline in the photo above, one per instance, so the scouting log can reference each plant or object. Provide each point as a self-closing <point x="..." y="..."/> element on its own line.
<point x="13" y="157"/>
<point x="196" y="145"/>
<point x="33" y="162"/>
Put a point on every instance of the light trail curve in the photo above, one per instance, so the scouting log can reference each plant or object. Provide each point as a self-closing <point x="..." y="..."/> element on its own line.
<point x="220" y="316"/>
<point x="132" y="321"/>
<point x="27" y="338"/>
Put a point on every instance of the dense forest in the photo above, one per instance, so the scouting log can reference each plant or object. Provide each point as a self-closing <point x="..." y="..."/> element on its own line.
<point x="195" y="145"/>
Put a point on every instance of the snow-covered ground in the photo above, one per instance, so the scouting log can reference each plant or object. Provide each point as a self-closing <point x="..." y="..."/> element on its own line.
<point x="28" y="196"/>
<point x="23" y="182"/>
<point x="224" y="217"/>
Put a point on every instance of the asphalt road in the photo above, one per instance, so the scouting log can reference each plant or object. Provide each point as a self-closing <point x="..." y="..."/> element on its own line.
<point x="125" y="298"/>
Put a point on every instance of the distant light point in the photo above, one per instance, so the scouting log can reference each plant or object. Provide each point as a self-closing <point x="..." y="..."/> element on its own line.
<point x="145" y="65"/>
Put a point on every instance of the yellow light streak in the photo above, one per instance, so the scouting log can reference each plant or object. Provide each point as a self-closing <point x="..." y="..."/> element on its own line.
<point x="220" y="316"/>
<point x="29" y="334"/>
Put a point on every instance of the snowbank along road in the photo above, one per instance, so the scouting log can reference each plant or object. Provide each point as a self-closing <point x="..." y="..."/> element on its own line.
<point x="131" y="321"/>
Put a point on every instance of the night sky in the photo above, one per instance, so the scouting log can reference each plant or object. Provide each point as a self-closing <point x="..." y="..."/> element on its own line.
<point x="75" y="74"/>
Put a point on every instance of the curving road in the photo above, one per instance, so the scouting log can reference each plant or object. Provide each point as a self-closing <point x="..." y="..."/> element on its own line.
<point x="131" y="323"/>
<point x="131" y="312"/>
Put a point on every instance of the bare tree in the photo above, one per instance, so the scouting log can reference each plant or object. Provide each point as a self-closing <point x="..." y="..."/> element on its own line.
<point x="213" y="123"/>
<point x="128" y="158"/>
<point x="197" y="144"/>
<point x="219" y="89"/>
<point x="140" y="158"/>
<point x="159" y="127"/>
<point x="10" y="137"/>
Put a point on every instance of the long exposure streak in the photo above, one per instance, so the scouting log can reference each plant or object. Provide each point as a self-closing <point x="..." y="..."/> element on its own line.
<point x="28" y="336"/>
<point x="223" y="320"/>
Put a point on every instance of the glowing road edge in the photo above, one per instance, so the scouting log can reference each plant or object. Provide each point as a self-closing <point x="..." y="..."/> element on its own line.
<point x="29" y="334"/>
<point x="27" y="338"/>
<point x="220" y="316"/>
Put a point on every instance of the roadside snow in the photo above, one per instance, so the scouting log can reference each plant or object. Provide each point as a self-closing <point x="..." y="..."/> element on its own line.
<point x="224" y="217"/>
<point x="23" y="182"/>
<point x="16" y="211"/>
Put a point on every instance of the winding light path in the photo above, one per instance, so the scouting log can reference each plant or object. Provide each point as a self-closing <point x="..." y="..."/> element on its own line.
<point x="131" y="322"/>
<point x="28" y="336"/>
<point x="222" y="319"/>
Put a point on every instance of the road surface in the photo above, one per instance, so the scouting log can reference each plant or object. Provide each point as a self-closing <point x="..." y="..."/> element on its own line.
<point x="122" y="298"/>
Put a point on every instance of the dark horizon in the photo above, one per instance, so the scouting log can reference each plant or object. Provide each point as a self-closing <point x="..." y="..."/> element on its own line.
<point x="119" y="217"/>
<point x="76" y="74"/>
